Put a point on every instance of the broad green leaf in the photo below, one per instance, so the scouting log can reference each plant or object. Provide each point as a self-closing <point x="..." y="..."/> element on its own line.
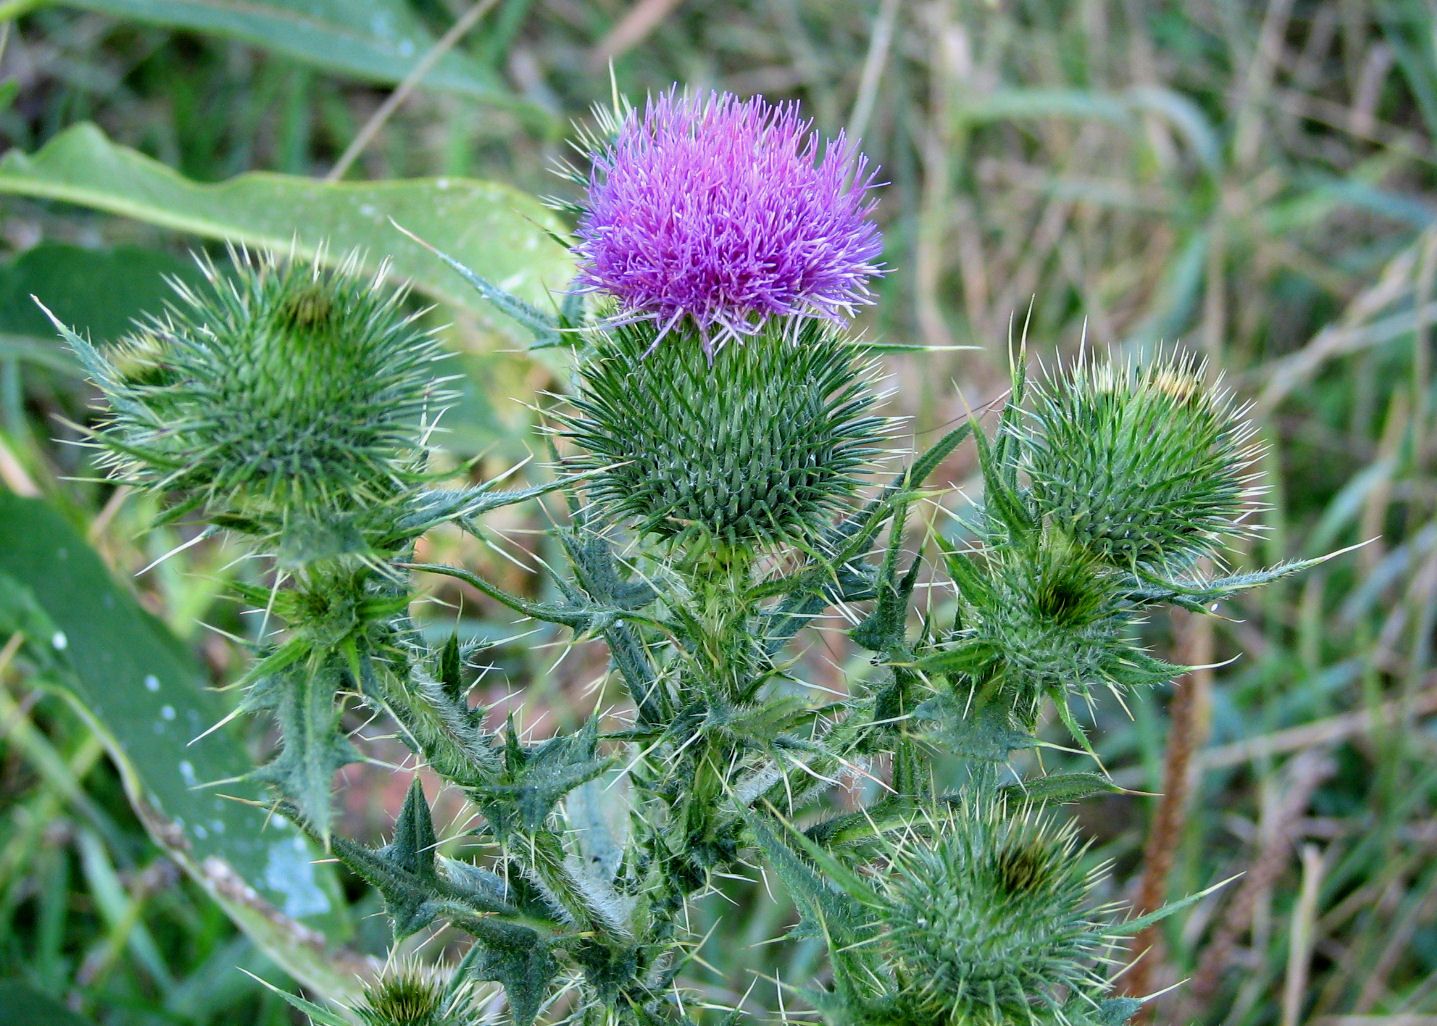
<point x="378" y="40"/>
<point x="497" y="231"/>
<point x="100" y="292"/>
<point x="145" y="697"/>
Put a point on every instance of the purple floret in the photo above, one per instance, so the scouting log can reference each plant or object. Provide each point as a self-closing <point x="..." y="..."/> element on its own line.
<point x="728" y="212"/>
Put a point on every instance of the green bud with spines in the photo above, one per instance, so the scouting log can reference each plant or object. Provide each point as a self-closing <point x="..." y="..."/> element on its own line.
<point x="987" y="918"/>
<point x="412" y="995"/>
<point x="1040" y="617"/>
<point x="757" y="445"/>
<point x="284" y="400"/>
<point x="1143" y="464"/>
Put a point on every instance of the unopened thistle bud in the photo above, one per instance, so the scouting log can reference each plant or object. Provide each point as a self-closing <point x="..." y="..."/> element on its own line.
<point x="411" y="995"/>
<point x="989" y="923"/>
<point x="283" y="400"/>
<point x="718" y="213"/>
<point x="757" y="446"/>
<point x="1143" y="465"/>
<point x="1044" y="618"/>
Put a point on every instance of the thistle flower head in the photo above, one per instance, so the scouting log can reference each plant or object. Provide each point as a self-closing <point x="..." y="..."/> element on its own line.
<point x="759" y="447"/>
<point x="284" y="400"/>
<point x="989" y="923"/>
<point x="727" y="212"/>
<point x="1143" y="465"/>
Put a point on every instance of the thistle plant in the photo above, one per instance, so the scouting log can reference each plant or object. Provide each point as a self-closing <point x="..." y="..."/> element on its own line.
<point x="723" y="453"/>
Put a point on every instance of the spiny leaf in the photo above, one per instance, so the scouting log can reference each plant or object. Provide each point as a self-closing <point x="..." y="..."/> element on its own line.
<point x="1198" y="595"/>
<point x="312" y="745"/>
<point x="598" y="574"/>
<point x="414" y="844"/>
<point x="534" y="780"/>
<point x="825" y="909"/>
<point x="971" y="731"/>
<point x="1129" y="927"/>
<point x="450" y="675"/>
<point x="519" y="960"/>
<point x="1117" y="1011"/>
<point x="808" y="601"/>
<point x="1057" y="788"/>
<point x="462" y="505"/>
<point x="1001" y="499"/>
<point x="542" y="325"/>
<point x="883" y="629"/>
<point x="437" y="720"/>
<point x="579" y="617"/>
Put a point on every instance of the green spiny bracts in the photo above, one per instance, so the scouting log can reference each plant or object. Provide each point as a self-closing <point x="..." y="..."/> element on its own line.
<point x="757" y="446"/>
<point x="412" y="995"/>
<point x="1041" y="617"/>
<point x="1143" y="464"/>
<point x="285" y="401"/>
<point x="988" y="921"/>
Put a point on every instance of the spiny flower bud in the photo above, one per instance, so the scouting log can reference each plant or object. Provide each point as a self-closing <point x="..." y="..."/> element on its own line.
<point x="284" y="400"/>
<point x="756" y="446"/>
<point x="989" y="924"/>
<point x="411" y="995"/>
<point x="1143" y="465"/>
<point x="1044" y="617"/>
<point x="725" y="212"/>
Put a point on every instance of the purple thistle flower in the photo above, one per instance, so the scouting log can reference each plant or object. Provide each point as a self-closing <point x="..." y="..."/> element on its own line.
<point x="728" y="212"/>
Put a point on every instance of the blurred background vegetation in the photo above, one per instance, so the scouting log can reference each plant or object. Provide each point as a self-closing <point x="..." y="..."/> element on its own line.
<point x="1252" y="180"/>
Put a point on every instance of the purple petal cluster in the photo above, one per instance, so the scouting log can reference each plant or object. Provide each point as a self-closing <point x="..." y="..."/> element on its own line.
<point x="728" y="212"/>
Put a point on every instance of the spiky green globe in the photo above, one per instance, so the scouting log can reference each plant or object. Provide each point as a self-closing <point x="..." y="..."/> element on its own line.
<point x="1144" y="465"/>
<point x="989" y="924"/>
<point x="282" y="399"/>
<point x="410" y="995"/>
<point x="757" y="446"/>
<point x="1044" y="617"/>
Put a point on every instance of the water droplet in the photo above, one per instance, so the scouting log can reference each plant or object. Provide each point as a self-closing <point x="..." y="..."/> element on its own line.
<point x="152" y="683"/>
<point x="289" y="874"/>
<point x="167" y="711"/>
<point x="187" y="772"/>
<point x="60" y="642"/>
<point x="441" y="184"/>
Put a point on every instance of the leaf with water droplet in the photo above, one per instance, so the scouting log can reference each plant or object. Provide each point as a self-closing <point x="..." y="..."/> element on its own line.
<point x="145" y="697"/>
